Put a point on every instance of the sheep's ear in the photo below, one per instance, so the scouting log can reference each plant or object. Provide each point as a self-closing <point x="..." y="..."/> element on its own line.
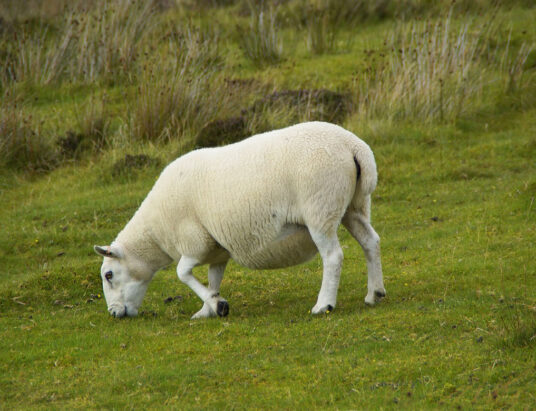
<point x="107" y="251"/>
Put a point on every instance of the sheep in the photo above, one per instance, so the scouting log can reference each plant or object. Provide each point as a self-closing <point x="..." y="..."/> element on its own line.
<point x="270" y="201"/>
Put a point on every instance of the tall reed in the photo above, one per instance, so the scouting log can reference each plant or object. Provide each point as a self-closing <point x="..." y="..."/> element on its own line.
<point x="180" y="94"/>
<point x="108" y="38"/>
<point x="260" y="41"/>
<point x="434" y="71"/>
<point x="100" y="41"/>
<point x="41" y="57"/>
<point x="324" y="19"/>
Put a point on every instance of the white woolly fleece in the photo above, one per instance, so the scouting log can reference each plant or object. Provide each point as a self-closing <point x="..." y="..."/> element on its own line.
<point x="254" y="201"/>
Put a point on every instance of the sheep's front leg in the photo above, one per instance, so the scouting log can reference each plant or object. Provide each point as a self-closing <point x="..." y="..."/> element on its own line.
<point x="209" y="297"/>
<point x="215" y="275"/>
<point x="332" y="256"/>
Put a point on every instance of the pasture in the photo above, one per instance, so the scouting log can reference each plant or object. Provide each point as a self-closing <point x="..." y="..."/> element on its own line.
<point x="95" y="103"/>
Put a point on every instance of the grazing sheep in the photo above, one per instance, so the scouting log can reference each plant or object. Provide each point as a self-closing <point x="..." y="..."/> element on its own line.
<point x="272" y="200"/>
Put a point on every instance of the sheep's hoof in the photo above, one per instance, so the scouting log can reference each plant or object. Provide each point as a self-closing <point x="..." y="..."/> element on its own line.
<point x="379" y="293"/>
<point x="325" y="309"/>
<point x="222" y="308"/>
<point x="205" y="312"/>
<point x="375" y="297"/>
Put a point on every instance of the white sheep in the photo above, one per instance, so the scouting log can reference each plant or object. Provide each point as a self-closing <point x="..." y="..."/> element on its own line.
<point x="272" y="200"/>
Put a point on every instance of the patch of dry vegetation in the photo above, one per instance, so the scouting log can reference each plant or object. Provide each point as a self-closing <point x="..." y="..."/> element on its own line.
<point x="436" y="71"/>
<point x="171" y="78"/>
<point x="22" y="144"/>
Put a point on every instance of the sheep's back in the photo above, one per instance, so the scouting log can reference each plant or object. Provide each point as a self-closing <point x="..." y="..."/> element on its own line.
<point x="252" y="197"/>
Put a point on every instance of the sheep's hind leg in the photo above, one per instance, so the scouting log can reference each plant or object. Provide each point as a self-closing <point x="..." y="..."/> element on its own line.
<point x="215" y="275"/>
<point x="358" y="223"/>
<point x="208" y="296"/>
<point x="332" y="256"/>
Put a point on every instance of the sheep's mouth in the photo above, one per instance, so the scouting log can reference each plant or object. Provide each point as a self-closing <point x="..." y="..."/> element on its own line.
<point x="118" y="311"/>
<point x="122" y="311"/>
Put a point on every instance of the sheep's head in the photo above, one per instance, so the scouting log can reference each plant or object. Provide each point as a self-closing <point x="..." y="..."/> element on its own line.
<point x="124" y="280"/>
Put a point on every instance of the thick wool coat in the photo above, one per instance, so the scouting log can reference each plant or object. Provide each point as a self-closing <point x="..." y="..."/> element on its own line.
<point x="256" y="200"/>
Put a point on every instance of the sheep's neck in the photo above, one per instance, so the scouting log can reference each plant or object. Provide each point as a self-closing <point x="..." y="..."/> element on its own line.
<point x="137" y="238"/>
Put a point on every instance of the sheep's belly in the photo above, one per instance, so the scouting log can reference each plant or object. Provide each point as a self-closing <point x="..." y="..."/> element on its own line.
<point x="292" y="246"/>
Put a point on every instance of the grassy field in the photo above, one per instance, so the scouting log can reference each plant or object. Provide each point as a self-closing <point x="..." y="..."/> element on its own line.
<point x="445" y="96"/>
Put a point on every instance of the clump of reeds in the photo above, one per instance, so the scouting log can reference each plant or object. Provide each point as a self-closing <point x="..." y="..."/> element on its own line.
<point x="22" y="143"/>
<point x="40" y="57"/>
<point x="513" y="68"/>
<point x="260" y="40"/>
<point x="179" y="95"/>
<point x="99" y="42"/>
<point x="321" y="32"/>
<point x="108" y="38"/>
<point x="323" y="21"/>
<point x="434" y="71"/>
<point x="93" y="121"/>
<point x="33" y="10"/>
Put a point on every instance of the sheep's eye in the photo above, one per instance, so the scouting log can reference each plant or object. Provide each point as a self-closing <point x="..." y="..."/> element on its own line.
<point x="108" y="275"/>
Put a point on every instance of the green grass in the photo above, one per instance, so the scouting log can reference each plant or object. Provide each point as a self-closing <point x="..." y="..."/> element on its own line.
<point x="455" y="208"/>
<point x="441" y="338"/>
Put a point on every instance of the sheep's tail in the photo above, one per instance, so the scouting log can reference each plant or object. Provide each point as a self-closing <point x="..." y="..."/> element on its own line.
<point x="367" y="176"/>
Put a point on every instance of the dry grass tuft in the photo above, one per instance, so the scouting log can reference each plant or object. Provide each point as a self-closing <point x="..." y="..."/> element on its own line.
<point x="22" y="144"/>
<point x="108" y="38"/>
<point x="435" y="71"/>
<point x="516" y="326"/>
<point x="260" y="41"/>
<point x="92" y="43"/>
<point x="182" y="94"/>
